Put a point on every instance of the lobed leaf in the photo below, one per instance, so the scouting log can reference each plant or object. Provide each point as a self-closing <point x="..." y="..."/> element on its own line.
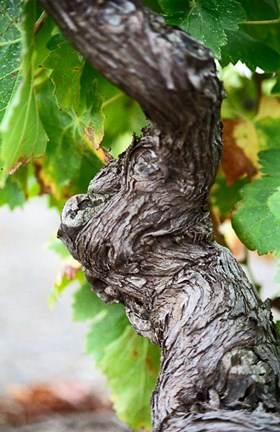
<point x="12" y="195"/>
<point x="205" y="20"/>
<point x="256" y="220"/>
<point x="222" y="26"/>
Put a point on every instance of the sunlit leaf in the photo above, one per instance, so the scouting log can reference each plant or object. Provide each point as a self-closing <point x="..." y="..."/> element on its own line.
<point x="23" y="136"/>
<point x="131" y="364"/>
<point x="10" y="48"/>
<point x="12" y="195"/>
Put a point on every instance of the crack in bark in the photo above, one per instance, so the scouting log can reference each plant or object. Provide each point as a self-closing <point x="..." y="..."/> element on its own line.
<point x="143" y="231"/>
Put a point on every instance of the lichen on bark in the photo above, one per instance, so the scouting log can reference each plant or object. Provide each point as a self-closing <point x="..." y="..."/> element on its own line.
<point x="143" y="232"/>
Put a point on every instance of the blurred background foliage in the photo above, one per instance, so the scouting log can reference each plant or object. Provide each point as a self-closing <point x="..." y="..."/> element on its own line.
<point x="61" y="121"/>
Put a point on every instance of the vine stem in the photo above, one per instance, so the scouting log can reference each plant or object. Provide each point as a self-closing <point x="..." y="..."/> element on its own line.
<point x="112" y="100"/>
<point x="11" y="42"/>
<point x="265" y="22"/>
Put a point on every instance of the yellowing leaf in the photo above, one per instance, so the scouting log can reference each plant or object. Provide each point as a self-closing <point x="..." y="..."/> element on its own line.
<point x="94" y="141"/>
<point x="235" y="162"/>
<point x="70" y="272"/>
<point x="246" y="137"/>
<point x="262" y="132"/>
<point x="268" y="107"/>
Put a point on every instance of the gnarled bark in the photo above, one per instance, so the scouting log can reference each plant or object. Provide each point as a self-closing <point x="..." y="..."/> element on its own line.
<point x="143" y="231"/>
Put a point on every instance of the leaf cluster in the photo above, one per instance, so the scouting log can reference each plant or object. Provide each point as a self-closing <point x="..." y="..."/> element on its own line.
<point x="237" y="30"/>
<point x="55" y="112"/>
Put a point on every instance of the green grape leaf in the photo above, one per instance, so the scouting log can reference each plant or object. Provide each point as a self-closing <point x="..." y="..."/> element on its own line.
<point x="76" y="132"/>
<point x="268" y="131"/>
<point x="274" y="204"/>
<point x="276" y="88"/>
<point x="256" y="221"/>
<point x="74" y="140"/>
<point x="123" y="115"/>
<point x="56" y="245"/>
<point x="67" y="67"/>
<point x="205" y="20"/>
<point x="10" y="49"/>
<point x="259" y="10"/>
<point x="23" y="136"/>
<point x="245" y="48"/>
<point x="107" y="327"/>
<point x="130" y="362"/>
<point x="86" y="304"/>
<point x="263" y="11"/>
<point x="12" y="195"/>
<point x="226" y="197"/>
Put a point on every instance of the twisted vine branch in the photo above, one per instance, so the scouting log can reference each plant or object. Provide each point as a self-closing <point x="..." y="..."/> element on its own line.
<point x="143" y="232"/>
